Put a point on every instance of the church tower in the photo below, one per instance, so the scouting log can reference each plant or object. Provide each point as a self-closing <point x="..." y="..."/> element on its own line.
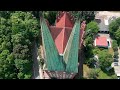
<point x="61" y="44"/>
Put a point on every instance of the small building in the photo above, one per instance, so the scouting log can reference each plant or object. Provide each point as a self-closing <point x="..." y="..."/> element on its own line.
<point x="101" y="42"/>
<point x="103" y="22"/>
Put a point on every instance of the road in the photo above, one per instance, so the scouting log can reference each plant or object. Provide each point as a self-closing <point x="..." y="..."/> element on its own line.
<point x="36" y="74"/>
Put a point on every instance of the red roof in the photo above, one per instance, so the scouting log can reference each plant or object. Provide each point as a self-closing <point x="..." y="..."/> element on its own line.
<point x="101" y="41"/>
<point x="64" y="20"/>
<point x="62" y="30"/>
<point x="60" y="37"/>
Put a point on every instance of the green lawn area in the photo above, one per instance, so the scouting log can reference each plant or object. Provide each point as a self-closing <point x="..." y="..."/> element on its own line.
<point x="101" y="74"/>
<point x="86" y="70"/>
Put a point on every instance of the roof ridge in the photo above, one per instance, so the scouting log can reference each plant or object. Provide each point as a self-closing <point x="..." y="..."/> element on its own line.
<point x="63" y="39"/>
<point x="64" y="18"/>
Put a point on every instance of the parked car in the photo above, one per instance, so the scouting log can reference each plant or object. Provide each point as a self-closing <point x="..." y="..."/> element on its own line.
<point x="115" y="60"/>
<point x="115" y="63"/>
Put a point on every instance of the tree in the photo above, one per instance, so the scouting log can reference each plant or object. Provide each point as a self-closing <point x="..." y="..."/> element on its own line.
<point x="96" y="50"/>
<point x="23" y="66"/>
<point x="115" y="30"/>
<point x="116" y="54"/>
<point x="24" y="22"/>
<point x="85" y="15"/>
<point x="50" y="16"/>
<point x="88" y="40"/>
<point x="93" y="27"/>
<point x="7" y="68"/>
<point x="114" y="45"/>
<point x="5" y="14"/>
<point x="117" y="36"/>
<point x="105" y="59"/>
<point x="113" y="26"/>
<point x="93" y="74"/>
<point x="17" y="32"/>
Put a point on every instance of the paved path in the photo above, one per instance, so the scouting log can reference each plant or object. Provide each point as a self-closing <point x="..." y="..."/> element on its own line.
<point x="35" y="62"/>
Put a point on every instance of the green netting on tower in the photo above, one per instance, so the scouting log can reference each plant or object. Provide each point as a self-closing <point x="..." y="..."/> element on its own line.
<point x="52" y="57"/>
<point x="71" y="51"/>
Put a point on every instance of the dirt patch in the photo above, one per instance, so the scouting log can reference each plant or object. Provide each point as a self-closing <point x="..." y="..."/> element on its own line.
<point x="86" y="71"/>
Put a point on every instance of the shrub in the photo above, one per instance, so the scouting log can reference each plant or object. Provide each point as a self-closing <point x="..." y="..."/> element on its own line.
<point x="116" y="53"/>
<point x="114" y="44"/>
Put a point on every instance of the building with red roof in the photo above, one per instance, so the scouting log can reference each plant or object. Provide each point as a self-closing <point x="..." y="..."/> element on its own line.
<point x="101" y="42"/>
<point x="60" y="34"/>
<point x="62" y="30"/>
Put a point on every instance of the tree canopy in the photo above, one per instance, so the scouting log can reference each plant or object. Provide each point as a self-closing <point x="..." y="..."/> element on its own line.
<point x="105" y="59"/>
<point x="17" y="32"/>
<point x="114" y="29"/>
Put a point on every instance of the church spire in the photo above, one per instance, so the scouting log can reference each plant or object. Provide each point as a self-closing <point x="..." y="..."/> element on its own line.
<point x="71" y="51"/>
<point x="51" y="54"/>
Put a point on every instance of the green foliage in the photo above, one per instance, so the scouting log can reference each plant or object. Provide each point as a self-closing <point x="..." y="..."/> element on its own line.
<point x="20" y="75"/>
<point x="117" y="36"/>
<point x="93" y="74"/>
<point x="21" y="52"/>
<point x="17" y="31"/>
<point x="85" y="15"/>
<point x="7" y="70"/>
<point x="114" y="45"/>
<point x="23" y="65"/>
<point x="50" y="16"/>
<point x="105" y="59"/>
<point x="24" y="22"/>
<point x="93" y="27"/>
<point x="96" y="50"/>
<point x="5" y="14"/>
<point x="114" y="29"/>
<point x="88" y="40"/>
<point x="116" y="54"/>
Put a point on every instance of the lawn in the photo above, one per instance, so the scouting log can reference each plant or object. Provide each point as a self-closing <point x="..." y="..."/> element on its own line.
<point x="101" y="74"/>
<point x="86" y="70"/>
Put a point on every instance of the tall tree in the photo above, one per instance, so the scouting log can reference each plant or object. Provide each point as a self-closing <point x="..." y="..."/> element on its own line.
<point x="17" y="32"/>
<point x="105" y="59"/>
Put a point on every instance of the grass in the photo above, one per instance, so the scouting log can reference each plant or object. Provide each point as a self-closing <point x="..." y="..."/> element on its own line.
<point x="101" y="74"/>
<point x="86" y="70"/>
